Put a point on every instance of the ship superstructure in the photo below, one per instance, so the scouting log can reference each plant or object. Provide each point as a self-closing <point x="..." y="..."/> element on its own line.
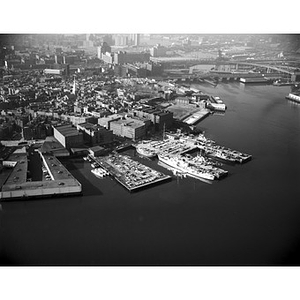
<point x="179" y="144"/>
<point x="191" y="168"/>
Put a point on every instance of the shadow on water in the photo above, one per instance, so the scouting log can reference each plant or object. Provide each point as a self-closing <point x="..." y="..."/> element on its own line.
<point x="21" y="205"/>
<point x="76" y="168"/>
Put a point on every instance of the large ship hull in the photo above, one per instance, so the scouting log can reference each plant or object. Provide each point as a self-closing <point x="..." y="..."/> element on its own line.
<point x="186" y="169"/>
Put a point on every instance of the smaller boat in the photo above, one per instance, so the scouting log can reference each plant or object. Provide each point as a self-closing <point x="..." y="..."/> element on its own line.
<point x="282" y="83"/>
<point x="145" y="152"/>
<point x="99" y="172"/>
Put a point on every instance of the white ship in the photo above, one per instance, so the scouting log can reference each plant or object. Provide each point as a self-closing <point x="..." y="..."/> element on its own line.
<point x="183" y="165"/>
<point x="221" y="155"/>
<point x="99" y="172"/>
<point x="145" y="151"/>
<point x="294" y="96"/>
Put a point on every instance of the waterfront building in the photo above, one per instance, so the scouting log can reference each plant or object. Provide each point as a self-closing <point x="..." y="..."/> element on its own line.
<point x="96" y="151"/>
<point x="53" y="147"/>
<point x="68" y="136"/>
<point x="159" y="118"/>
<point x="130" y="128"/>
<point x="18" y="185"/>
<point x="95" y="134"/>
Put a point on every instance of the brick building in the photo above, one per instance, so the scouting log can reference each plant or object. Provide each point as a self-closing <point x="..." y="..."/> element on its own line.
<point x="94" y="134"/>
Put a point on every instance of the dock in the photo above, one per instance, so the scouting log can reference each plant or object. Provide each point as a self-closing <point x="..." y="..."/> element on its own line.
<point x="196" y="117"/>
<point x="15" y="185"/>
<point x="124" y="147"/>
<point x="129" y="173"/>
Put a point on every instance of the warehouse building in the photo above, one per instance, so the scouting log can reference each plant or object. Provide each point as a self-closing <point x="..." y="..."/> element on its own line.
<point x="159" y="118"/>
<point x="129" y="128"/>
<point x="68" y="136"/>
<point x="95" y="134"/>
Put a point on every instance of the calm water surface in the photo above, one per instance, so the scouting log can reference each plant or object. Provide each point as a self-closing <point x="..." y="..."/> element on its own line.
<point x="249" y="218"/>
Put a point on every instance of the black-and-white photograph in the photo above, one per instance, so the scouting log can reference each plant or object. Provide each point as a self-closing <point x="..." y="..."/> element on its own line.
<point x="149" y="148"/>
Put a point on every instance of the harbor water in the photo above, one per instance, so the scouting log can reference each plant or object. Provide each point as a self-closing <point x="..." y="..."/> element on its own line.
<point x="251" y="217"/>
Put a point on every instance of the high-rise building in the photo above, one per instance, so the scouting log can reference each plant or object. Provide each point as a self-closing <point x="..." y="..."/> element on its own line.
<point x="103" y="49"/>
<point x="134" y="39"/>
<point x="137" y="39"/>
<point x="121" y="40"/>
<point x="158" y="51"/>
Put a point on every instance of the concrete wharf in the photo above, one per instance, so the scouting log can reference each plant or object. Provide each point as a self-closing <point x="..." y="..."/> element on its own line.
<point x="15" y="185"/>
<point x="129" y="173"/>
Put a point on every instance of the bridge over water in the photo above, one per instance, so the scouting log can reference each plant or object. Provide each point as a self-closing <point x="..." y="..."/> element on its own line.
<point x="191" y="68"/>
<point x="268" y="67"/>
<point x="240" y="69"/>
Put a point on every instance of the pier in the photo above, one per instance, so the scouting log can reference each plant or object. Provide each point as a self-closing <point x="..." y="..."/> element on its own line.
<point x="129" y="173"/>
<point x="16" y="185"/>
<point x="196" y="117"/>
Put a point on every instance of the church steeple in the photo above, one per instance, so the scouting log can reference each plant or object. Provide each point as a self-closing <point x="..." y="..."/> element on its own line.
<point x="74" y="87"/>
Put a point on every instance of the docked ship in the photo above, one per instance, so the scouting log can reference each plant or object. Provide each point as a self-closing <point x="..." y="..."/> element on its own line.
<point x="229" y="156"/>
<point x="99" y="172"/>
<point x="260" y="79"/>
<point x="143" y="151"/>
<point x="282" y="83"/>
<point x="295" y="96"/>
<point x="184" y="166"/>
<point x="218" y="154"/>
<point x="211" y="149"/>
<point x="216" y="104"/>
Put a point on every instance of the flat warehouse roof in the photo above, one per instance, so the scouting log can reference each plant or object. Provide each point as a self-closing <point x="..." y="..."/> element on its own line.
<point x="67" y="130"/>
